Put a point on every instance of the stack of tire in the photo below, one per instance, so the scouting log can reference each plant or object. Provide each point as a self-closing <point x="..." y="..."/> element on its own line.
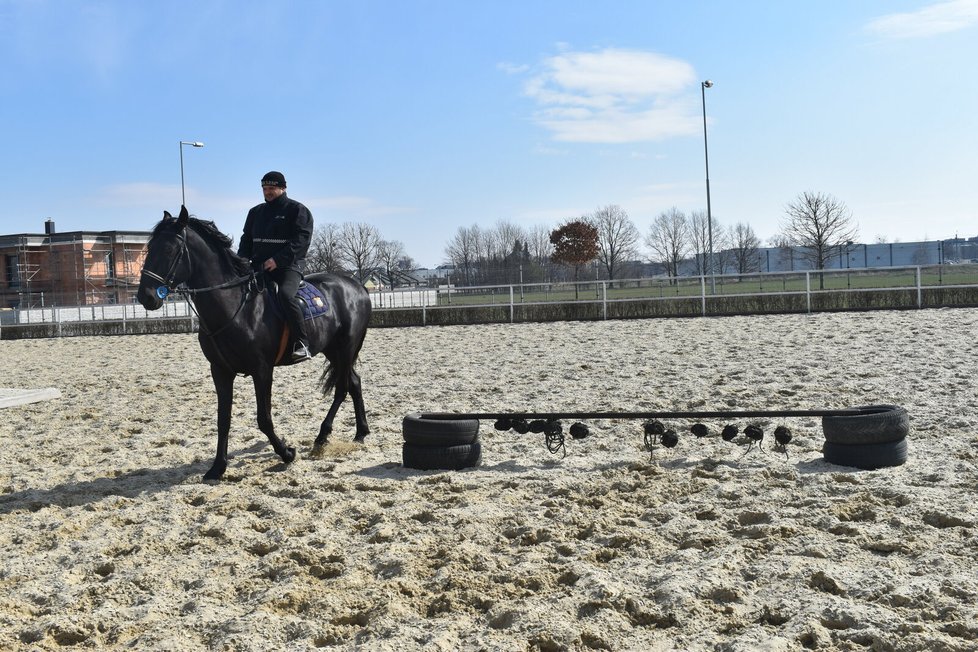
<point x="872" y="438"/>
<point x="433" y="443"/>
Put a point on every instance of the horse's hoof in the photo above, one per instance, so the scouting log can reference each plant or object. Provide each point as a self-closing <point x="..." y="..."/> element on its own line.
<point x="317" y="451"/>
<point x="214" y="474"/>
<point x="289" y="455"/>
<point x="359" y="438"/>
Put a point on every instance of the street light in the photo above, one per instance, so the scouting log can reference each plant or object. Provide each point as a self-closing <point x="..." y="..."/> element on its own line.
<point x="183" y="194"/>
<point x="709" y="215"/>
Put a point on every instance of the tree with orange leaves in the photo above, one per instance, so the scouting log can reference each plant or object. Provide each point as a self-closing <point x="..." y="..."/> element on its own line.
<point x="575" y="244"/>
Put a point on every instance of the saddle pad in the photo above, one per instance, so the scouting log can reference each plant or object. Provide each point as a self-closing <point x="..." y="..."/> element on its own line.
<point x="313" y="300"/>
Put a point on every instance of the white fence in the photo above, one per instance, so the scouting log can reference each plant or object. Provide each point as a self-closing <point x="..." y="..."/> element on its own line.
<point x="382" y="299"/>
<point x="100" y="312"/>
<point x="176" y="307"/>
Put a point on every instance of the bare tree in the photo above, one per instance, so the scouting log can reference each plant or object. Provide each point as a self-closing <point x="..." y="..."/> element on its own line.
<point x="463" y="252"/>
<point x="540" y="249"/>
<point x="390" y="253"/>
<point x="323" y="253"/>
<point x="699" y="238"/>
<point x="723" y="244"/>
<point x="745" y="245"/>
<point x="538" y="240"/>
<point x="820" y="225"/>
<point x="669" y="239"/>
<point x="406" y="264"/>
<point x="617" y="238"/>
<point x="509" y="251"/>
<point x="504" y="235"/>
<point x="359" y="246"/>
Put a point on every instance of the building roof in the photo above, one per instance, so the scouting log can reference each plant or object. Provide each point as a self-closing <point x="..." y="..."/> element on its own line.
<point x="68" y="237"/>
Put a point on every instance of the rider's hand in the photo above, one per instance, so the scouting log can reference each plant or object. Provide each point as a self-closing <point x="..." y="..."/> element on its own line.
<point x="270" y="265"/>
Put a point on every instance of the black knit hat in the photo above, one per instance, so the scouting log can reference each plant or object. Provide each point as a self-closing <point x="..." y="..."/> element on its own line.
<point x="273" y="179"/>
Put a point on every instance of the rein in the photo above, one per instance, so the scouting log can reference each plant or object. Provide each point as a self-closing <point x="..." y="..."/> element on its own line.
<point x="246" y="296"/>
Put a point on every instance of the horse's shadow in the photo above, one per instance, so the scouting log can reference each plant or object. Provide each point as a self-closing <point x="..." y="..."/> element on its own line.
<point x="132" y="484"/>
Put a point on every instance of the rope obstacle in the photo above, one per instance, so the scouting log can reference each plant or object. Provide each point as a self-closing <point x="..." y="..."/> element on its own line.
<point x="654" y="431"/>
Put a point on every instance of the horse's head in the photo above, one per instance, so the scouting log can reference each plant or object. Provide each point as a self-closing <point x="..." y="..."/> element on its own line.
<point x="167" y="264"/>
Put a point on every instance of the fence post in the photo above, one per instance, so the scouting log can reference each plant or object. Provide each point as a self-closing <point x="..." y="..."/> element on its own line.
<point x="512" y="308"/>
<point x="604" y="299"/>
<point x="808" y="291"/>
<point x="920" y="301"/>
<point x="703" y="294"/>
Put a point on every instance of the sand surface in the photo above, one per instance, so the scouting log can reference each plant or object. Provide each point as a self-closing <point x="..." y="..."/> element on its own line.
<point x="111" y="539"/>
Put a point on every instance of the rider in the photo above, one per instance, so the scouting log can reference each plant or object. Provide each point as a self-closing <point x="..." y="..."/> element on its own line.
<point x="276" y="238"/>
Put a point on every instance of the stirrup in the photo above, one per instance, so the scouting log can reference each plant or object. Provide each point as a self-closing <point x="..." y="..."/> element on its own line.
<point x="301" y="352"/>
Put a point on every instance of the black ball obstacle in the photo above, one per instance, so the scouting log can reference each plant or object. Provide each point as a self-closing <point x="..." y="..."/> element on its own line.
<point x="865" y="437"/>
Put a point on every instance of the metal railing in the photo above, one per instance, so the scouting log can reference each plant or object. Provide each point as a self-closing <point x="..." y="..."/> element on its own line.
<point x="598" y="296"/>
<point x="705" y="290"/>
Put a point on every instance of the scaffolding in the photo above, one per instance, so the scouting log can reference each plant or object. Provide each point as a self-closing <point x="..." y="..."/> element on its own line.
<point x="28" y="267"/>
<point x="76" y="268"/>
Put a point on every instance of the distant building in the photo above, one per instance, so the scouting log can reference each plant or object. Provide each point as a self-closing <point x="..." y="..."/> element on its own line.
<point x="856" y="255"/>
<point x="71" y="268"/>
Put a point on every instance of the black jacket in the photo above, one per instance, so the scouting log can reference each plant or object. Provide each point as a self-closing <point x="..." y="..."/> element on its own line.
<point x="279" y="229"/>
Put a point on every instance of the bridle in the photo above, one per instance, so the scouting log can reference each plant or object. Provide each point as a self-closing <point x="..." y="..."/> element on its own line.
<point x="168" y="284"/>
<point x="168" y="281"/>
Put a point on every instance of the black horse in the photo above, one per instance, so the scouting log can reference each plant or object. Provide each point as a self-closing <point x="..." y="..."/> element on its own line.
<point x="241" y="332"/>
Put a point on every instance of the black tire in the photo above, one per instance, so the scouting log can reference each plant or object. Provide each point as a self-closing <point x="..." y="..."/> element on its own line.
<point x="439" y="432"/>
<point x="866" y="456"/>
<point x="876" y="424"/>
<point x="452" y="458"/>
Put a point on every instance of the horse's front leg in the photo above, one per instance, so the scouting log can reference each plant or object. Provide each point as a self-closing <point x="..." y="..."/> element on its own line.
<point x="224" y="385"/>
<point x="263" y="398"/>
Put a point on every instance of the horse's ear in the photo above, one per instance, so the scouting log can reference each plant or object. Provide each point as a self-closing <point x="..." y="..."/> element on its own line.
<point x="184" y="215"/>
<point x="167" y="216"/>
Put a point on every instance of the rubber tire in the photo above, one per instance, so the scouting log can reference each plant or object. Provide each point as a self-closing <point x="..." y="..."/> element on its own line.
<point x="439" y="432"/>
<point x="878" y="424"/>
<point x="451" y="458"/>
<point x="866" y="456"/>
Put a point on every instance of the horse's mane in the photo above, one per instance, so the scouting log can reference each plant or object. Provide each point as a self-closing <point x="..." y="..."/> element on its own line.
<point x="215" y="239"/>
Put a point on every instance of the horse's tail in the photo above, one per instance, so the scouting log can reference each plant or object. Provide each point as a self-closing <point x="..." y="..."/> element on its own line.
<point x="327" y="380"/>
<point x="331" y="375"/>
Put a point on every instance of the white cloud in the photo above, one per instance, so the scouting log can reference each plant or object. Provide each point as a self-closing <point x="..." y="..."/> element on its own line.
<point x="934" y="19"/>
<point x="613" y="96"/>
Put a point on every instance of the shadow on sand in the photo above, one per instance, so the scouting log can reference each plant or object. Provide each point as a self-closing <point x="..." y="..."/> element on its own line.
<point x="132" y="484"/>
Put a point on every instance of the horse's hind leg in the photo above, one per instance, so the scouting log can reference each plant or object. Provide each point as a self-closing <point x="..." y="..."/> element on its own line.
<point x="356" y="393"/>
<point x="263" y="398"/>
<point x="339" y="393"/>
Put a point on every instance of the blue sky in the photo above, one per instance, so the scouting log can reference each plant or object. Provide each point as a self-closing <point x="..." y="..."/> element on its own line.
<point x="420" y="117"/>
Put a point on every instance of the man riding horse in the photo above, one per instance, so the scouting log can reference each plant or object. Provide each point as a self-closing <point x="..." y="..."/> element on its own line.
<point x="275" y="239"/>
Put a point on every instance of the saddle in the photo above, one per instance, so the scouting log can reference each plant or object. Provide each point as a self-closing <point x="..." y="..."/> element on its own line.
<point x="314" y="304"/>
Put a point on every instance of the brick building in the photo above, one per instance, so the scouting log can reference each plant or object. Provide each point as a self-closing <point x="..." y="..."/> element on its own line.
<point x="71" y="268"/>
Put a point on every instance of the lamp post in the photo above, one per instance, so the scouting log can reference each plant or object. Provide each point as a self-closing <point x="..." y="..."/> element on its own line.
<point x="709" y="215"/>
<point x="195" y="143"/>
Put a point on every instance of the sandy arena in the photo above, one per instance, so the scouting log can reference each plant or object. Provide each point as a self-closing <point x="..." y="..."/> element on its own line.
<point x="111" y="539"/>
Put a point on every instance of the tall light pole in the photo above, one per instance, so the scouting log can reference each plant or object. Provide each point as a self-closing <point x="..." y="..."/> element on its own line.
<point x="709" y="214"/>
<point x="195" y="143"/>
